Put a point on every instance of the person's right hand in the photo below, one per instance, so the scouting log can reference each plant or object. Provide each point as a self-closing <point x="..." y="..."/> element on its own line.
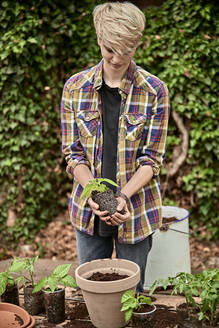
<point x="103" y="215"/>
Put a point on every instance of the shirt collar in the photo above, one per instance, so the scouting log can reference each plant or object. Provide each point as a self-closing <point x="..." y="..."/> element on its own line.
<point x="126" y="81"/>
<point x="98" y="75"/>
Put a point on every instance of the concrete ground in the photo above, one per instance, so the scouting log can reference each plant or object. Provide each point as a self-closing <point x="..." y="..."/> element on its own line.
<point x="44" y="267"/>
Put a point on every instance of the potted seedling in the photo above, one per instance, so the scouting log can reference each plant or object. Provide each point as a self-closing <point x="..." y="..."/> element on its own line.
<point x="138" y="306"/>
<point x="8" y="287"/>
<point x="208" y="284"/>
<point x="182" y="283"/>
<point x="101" y="194"/>
<point x="101" y="191"/>
<point x="33" y="303"/>
<point x="54" y="295"/>
<point x="205" y="286"/>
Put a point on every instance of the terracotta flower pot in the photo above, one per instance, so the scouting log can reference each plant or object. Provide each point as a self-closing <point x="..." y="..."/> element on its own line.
<point x="55" y="305"/>
<point x="33" y="302"/>
<point x="103" y="298"/>
<point x="11" y="295"/>
<point x="13" y="316"/>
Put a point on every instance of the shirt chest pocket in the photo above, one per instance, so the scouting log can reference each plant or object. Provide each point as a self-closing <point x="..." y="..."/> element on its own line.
<point x="87" y="123"/>
<point x="134" y="126"/>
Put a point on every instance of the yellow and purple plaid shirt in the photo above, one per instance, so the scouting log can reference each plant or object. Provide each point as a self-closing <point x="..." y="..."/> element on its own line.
<point x="142" y="132"/>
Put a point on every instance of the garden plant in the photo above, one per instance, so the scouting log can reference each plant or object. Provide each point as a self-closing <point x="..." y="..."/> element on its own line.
<point x="132" y="303"/>
<point x="201" y="292"/>
<point x="102" y="194"/>
<point x="59" y="276"/>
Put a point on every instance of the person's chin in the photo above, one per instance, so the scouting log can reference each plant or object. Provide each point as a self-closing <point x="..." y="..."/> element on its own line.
<point x="116" y="67"/>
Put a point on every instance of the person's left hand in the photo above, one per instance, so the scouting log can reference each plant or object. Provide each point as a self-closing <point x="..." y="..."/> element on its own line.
<point x="118" y="218"/>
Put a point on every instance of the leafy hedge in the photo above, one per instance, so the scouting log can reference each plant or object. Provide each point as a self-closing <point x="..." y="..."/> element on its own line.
<point x="181" y="47"/>
<point x="43" y="43"/>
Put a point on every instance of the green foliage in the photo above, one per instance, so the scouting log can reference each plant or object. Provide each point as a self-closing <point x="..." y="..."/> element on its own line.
<point x="130" y="302"/>
<point x="180" y="45"/>
<point x="42" y="44"/>
<point x="24" y="265"/>
<point x="17" y="265"/>
<point x="59" y="276"/>
<point x="5" y="279"/>
<point x="98" y="185"/>
<point x="204" y="285"/>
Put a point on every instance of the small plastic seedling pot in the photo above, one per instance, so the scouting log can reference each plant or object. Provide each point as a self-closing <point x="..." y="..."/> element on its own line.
<point x="11" y="295"/>
<point x="55" y="305"/>
<point x="145" y="315"/>
<point x="33" y="302"/>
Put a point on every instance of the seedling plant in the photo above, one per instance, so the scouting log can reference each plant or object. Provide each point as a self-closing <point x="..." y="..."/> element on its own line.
<point x="6" y="279"/>
<point x="130" y="302"/>
<point x="98" y="185"/>
<point x="204" y="285"/>
<point x="26" y="267"/>
<point x="58" y="277"/>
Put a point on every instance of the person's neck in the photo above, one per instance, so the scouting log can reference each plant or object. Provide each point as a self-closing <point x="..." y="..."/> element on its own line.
<point x="112" y="78"/>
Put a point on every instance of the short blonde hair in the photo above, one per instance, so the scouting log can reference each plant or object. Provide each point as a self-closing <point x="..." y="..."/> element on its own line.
<point x="119" y="26"/>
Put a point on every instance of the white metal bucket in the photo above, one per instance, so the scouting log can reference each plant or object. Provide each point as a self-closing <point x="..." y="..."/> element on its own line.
<point x="170" y="251"/>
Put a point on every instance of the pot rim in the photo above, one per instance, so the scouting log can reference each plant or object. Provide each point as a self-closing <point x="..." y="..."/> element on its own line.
<point x="123" y="266"/>
<point x="141" y="314"/>
<point x="55" y="291"/>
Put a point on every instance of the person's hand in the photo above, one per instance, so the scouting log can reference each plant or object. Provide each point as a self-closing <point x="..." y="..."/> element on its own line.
<point x="103" y="215"/>
<point x="118" y="218"/>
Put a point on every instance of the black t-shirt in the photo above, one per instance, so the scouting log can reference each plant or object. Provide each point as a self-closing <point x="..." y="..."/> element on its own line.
<point x="111" y="102"/>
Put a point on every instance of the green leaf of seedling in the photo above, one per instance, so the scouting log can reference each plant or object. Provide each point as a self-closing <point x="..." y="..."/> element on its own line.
<point x="144" y="299"/>
<point x="109" y="181"/>
<point x="62" y="270"/>
<point x="69" y="281"/>
<point x="3" y="284"/>
<point x="128" y="314"/>
<point x="125" y="307"/>
<point x="17" y="265"/>
<point x="87" y="191"/>
<point x="53" y="282"/>
<point x="127" y="295"/>
<point x="40" y="284"/>
<point x="35" y="258"/>
<point x="20" y="279"/>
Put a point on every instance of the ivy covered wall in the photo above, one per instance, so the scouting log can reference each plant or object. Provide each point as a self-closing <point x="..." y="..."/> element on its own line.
<point x="42" y="44"/>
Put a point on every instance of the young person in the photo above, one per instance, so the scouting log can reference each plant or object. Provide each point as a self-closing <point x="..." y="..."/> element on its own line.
<point x="114" y="120"/>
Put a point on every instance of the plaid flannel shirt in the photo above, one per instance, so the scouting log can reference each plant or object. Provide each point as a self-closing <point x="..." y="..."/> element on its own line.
<point x="142" y="133"/>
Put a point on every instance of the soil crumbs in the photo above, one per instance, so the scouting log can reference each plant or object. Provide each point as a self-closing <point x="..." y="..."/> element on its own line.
<point x="163" y="317"/>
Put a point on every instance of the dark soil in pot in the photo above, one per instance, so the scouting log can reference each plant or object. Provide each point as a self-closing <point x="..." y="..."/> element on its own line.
<point x="33" y="303"/>
<point x="106" y="201"/>
<point x="169" y="220"/>
<point x="145" y="308"/>
<point x="99" y="276"/>
<point x="166" y="223"/>
<point x="11" y="295"/>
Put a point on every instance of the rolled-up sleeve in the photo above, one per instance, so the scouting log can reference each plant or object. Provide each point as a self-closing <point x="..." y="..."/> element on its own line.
<point x="153" y="152"/>
<point x="71" y="146"/>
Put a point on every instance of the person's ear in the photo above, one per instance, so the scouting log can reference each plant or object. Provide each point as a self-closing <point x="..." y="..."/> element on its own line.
<point x="99" y="41"/>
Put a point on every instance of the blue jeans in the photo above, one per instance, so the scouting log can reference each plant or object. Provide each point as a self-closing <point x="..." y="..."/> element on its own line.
<point x="96" y="247"/>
